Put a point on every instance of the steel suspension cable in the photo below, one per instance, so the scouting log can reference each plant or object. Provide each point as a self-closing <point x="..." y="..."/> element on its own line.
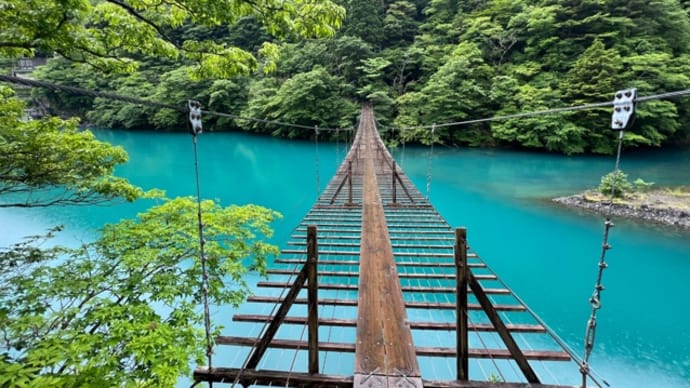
<point x="316" y="161"/>
<point x="293" y="272"/>
<point x="548" y="329"/>
<point x="595" y="299"/>
<point x="144" y="102"/>
<point x="141" y="101"/>
<point x="430" y="166"/>
<point x="195" y="126"/>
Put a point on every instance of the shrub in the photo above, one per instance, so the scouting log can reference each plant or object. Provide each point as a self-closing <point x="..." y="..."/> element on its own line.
<point x="615" y="182"/>
<point x="642" y="185"/>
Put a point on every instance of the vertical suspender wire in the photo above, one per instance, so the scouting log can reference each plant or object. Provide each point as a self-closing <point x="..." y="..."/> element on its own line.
<point x="293" y="273"/>
<point x="196" y="127"/>
<point x="595" y="299"/>
<point x="294" y="357"/>
<point x="337" y="146"/>
<point x="402" y="156"/>
<point x="431" y="161"/>
<point x="316" y="162"/>
<point x="202" y="255"/>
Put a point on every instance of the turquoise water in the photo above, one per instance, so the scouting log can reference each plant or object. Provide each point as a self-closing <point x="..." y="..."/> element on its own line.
<point x="547" y="254"/>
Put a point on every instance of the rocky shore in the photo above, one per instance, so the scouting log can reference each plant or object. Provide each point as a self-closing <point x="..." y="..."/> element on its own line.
<point x="661" y="206"/>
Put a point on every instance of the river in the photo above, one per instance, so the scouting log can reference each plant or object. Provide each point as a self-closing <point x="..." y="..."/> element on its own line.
<point x="546" y="253"/>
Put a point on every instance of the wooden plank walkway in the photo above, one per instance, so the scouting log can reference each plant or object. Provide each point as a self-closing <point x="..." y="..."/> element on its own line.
<point x="387" y="275"/>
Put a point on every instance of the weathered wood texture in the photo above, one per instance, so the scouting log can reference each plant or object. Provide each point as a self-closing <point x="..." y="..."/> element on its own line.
<point x="384" y="340"/>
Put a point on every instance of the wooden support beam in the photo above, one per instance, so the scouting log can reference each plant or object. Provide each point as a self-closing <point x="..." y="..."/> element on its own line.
<point x="269" y="378"/>
<point x="337" y="191"/>
<point x="409" y="275"/>
<point x="426" y="351"/>
<point x="417" y="325"/>
<point x="518" y="355"/>
<point x="462" y="360"/>
<point x="321" y="262"/>
<point x="272" y="328"/>
<point x="313" y="299"/>
<point x="297" y="379"/>
<point x="408" y="304"/>
<point x="353" y="287"/>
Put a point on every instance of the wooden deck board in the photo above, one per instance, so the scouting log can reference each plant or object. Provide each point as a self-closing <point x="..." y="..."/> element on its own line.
<point x="384" y="341"/>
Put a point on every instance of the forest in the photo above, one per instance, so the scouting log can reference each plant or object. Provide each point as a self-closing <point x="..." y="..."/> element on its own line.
<point x="123" y="309"/>
<point x="423" y="62"/>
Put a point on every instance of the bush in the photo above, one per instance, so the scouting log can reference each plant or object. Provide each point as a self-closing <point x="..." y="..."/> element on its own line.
<point x="616" y="182"/>
<point x="642" y="185"/>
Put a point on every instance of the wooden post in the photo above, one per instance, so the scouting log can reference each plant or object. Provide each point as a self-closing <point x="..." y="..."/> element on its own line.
<point x="462" y="271"/>
<point x="349" y="178"/>
<point x="312" y="299"/>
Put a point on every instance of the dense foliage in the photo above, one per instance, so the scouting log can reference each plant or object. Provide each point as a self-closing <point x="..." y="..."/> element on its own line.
<point x="436" y="61"/>
<point x="124" y="309"/>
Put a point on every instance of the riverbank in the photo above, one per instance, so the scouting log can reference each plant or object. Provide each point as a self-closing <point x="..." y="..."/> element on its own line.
<point x="663" y="206"/>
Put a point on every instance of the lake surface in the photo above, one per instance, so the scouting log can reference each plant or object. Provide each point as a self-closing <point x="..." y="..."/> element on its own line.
<point x="546" y="253"/>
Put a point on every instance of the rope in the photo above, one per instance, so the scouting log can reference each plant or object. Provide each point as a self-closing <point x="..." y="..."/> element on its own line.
<point x="202" y="254"/>
<point x="402" y="157"/>
<point x="86" y="92"/>
<point x="316" y="161"/>
<point x="430" y="167"/>
<point x="145" y="102"/>
<point x="595" y="299"/>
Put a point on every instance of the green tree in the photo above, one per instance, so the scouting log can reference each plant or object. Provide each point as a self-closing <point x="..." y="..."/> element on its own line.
<point x="50" y="162"/>
<point x="123" y="310"/>
<point x="315" y="98"/>
<point x="113" y="34"/>
<point x="455" y="92"/>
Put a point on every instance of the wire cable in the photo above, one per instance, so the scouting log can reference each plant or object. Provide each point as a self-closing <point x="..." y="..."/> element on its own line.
<point x="145" y="102"/>
<point x="202" y="256"/>
<point x="660" y="96"/>
<point x="141" y="101"/>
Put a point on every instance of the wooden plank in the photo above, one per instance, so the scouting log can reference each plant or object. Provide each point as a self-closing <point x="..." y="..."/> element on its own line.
<point x="486" y="384"/>
<point x="408" y="304"/>
<point x="299" y="379"/>
<point x="321" y="262"/>
<point x="416" y="325"/>
<point x="384" y="341"/>
<point x="447" y="264"/>
<point x="427" y="351"/>
<point x="271" y="378"/>
<point x="360" y="286"/>
<point x="410" y="275"/>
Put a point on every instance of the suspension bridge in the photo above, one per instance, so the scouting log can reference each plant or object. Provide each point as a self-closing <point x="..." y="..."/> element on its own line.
<point x="376" y="267"/>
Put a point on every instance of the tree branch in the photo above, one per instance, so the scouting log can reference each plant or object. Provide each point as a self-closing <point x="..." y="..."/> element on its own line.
<point x="133" y="12"/>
